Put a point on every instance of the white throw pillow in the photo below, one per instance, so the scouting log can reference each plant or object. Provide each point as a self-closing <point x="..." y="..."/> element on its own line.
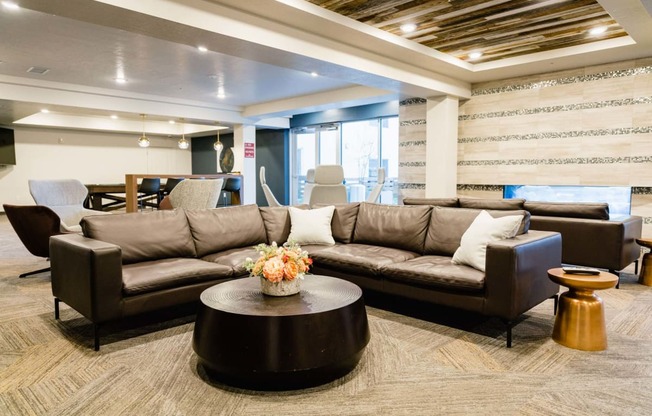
<point x="311" y="226"/>
<point x="482" y="231"/>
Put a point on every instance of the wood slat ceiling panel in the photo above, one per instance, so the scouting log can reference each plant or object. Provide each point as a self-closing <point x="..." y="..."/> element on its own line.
<point x="497" y="28"/>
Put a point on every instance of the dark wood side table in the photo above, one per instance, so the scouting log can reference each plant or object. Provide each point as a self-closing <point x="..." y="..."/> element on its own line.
<point x="645" y="277"/>
<point x="580" y="316"/>
<point x="246" y="339"/>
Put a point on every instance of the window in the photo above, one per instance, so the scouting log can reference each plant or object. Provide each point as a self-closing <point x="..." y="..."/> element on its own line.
<point x="361" y="147"/>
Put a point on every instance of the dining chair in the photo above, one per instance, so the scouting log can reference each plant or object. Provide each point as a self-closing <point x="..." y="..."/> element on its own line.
<point x="148" y="190"/>
<point x="232" y="186"/>
<point x="374" y="195"/>
<point x="34" y="224"/>
<point x="269" y="195"/>
<point x="329" y="186"/>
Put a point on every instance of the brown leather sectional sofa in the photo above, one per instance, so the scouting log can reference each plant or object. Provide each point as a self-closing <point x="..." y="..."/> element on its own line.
<point x="589" y="236"/>
<point x="129" y="264"/>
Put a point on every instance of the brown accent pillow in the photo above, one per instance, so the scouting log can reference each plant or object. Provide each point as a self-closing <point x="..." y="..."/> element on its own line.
<point x="143" y="236"/>
<point x="487" y="203"/>
<point x="221" y="229"/>
<point x="397" y="226"/>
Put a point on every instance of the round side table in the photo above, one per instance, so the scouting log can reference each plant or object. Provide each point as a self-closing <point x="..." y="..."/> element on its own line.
<point x="580" y="316"/>
<point x="645" y="278"/>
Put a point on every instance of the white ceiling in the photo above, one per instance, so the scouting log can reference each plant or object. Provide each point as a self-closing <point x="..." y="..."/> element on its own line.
<point x="261" y="54"/>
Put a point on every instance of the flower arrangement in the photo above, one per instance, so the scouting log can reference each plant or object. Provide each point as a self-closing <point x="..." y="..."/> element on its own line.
<point x="277" y="264"/>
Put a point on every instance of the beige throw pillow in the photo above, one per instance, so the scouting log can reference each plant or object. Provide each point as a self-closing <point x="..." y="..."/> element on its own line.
<point x="311" y="226"/>
<point x="482" y="231"/>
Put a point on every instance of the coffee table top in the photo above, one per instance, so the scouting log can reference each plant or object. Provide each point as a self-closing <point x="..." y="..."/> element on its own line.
<point x="318" y="294"/>
<point x="604" y="280"/>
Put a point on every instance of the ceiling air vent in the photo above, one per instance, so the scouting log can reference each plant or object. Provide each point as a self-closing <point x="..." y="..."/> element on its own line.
<point x="39" y="70"/>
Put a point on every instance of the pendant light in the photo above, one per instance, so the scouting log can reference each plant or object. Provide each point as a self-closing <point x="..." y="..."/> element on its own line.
<point x="183" y="143"/>
<point x="218" y="146"/>
<point x="143" y="141"/>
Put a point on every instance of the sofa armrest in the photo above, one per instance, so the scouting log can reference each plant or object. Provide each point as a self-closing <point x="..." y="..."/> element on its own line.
<point x="606" y="244"/>
<point x="516" y="277"/>
<point x="87" y="275"/>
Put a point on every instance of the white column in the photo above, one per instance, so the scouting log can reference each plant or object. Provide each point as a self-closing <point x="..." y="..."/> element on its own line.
<point x="244" y="137"/>
<point x="441" y="147"/>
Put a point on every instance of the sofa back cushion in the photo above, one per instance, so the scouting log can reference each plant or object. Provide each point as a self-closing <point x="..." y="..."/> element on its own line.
<point x="436" y="202"/>
<point x="402" y="227"/>
<point x="343" y="222"/>
<point x="495" y="204"/>
<point x="143" y="236"/>
<point x="277" y="223"/>
<point x="447" y="225"/>
<point x="597" y="211"/>
<point x="220" y="229"/>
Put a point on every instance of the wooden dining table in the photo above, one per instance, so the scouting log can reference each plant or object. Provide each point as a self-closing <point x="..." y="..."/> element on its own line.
<point x="126" y="194"/>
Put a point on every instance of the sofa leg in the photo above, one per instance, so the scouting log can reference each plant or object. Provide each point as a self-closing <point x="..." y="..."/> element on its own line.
<point x="617" y="274"/>
<point x="56" y="308"/>
<point x="510" y="325"/>
<point x="556" y="299"/>
<point x="96" y="336"/>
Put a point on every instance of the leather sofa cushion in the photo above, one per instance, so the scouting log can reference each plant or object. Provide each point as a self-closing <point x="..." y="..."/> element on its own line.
<point x="152" y="276"/>
<point x="487" y="203"/>
<point x="359" y="258"/>
<point x="402" y="227"/>
<point x="277" y="222"/>
<point x="221" y="229"/>
<point x="447" y="225"/>
<point x="233" y="258"/>
<point x="435" y="202"/>
<point x="143" y="236"/>
<point x="343" y="223"/>
<point x="435" y="271"/>
<point x="596" y="211"/>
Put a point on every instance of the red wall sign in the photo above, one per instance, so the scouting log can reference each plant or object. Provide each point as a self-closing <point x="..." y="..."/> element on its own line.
<point x="249" y="150"/>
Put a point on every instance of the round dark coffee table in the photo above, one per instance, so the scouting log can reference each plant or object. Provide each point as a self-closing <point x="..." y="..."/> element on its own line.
<point x="246" y="339"/>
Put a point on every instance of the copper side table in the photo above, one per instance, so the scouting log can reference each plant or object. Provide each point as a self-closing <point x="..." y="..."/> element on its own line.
<point x="580" y="317"/>
<point x="645" y="278"/>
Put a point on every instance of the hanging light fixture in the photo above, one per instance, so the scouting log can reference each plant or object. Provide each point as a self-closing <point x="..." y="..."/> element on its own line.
<point x="183" y="143"/>
<point x="143" y="141"/>
<point x="218" y="146"/>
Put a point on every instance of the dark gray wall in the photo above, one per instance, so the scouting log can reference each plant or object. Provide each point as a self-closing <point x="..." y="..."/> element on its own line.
<point x="272" y="151"/>
<point x="204" y="159"/>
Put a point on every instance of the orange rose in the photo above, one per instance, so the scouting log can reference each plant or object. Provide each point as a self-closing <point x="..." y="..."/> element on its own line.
<point x="273" y="269"/>
<point x="291" y="270"/>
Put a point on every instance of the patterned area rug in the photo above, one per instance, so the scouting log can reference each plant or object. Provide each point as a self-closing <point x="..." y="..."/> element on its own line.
<point x="421" y="360"/>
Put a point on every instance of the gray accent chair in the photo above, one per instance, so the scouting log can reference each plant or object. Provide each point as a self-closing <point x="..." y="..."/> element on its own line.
<point x="329" y="186"/>
<point x="269" y="195"/>
<point x="196" y="194"/>
<point x="66" y="198"/>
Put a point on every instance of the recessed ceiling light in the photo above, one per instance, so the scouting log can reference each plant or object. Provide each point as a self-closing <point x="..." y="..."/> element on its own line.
<point x="113" y="116"/>
<point x="408" y="27"/>
<point x="314" y="74"/>
<point x="597" y="30"/>
<point x="171" y="121"/>
<point x="120" y="80"/>
<point x="202" y="48"/>
<point x="45" y="110"/>
<point x="10" y="5"/>
<point x="475" y="55"/>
